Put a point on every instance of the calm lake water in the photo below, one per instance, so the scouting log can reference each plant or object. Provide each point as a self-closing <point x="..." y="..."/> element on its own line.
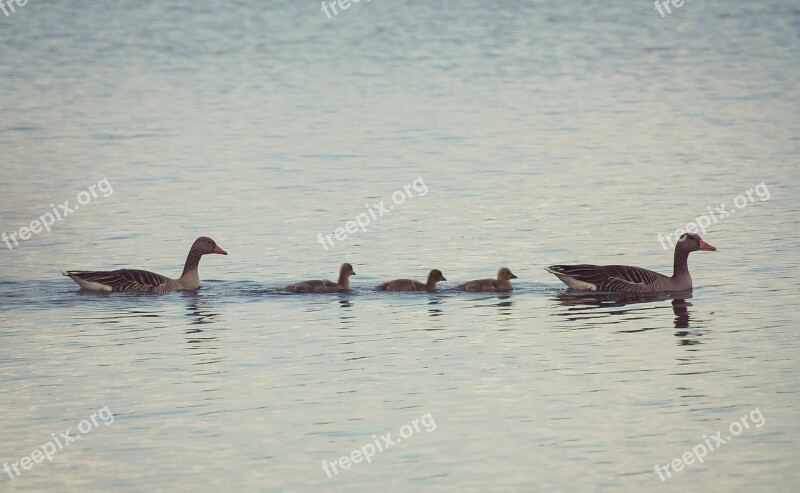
<point x="543" y="132"/>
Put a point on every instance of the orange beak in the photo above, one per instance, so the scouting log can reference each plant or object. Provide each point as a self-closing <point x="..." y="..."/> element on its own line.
<point x="706" y="246"/>
<point x="219" y="250"/>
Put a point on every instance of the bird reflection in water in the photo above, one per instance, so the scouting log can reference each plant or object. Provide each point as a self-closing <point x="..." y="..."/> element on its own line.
<point x="681" y="308"/>
<point x="434" y="310"/>
<point x="201" y="343"/>
<point x="198" y="309"/>
<point x="504" y="306"/>
<point x="682" y="318"/>
<point x="583" y="305"/>
<point x="200" y="314"/>
<point x="346" y="317"/>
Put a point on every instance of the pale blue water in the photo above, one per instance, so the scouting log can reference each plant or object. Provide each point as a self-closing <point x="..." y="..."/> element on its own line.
<point x="544" y="133"/>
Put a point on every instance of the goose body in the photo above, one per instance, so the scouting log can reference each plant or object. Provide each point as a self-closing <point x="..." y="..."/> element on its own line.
<point x="410" y="285"/>
<point x="325" y="286"/>
<point x="142" y="281"/>
<point x="628" y="279"/>
<point x="502" y="283"/>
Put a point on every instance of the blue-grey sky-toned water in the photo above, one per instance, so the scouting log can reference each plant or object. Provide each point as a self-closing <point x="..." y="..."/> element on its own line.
<point x="518" y="134"/>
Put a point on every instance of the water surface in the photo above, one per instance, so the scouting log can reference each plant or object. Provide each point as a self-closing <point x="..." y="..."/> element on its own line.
<point x="544" y="132"/>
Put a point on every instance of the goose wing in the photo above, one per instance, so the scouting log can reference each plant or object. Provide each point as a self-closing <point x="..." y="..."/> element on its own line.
<point x="620" y="278"/>
<point x="123" y="280"/>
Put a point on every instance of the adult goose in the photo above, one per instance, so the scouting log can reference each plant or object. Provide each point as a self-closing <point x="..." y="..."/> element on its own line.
<point x="408" y="285"/>
<point x="502" y="283"/>
<point x="325" y="286"/>
<point x="627" y="279"/>
<point x="142" y="281"/>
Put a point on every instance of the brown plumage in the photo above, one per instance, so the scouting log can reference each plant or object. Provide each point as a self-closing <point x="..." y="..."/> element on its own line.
<point x="409" y="285"/>
<point x="627" y="279"/>
<point x="502" y="283"/>
<point x="142" y="281"/>
<point x="325" y="286"/>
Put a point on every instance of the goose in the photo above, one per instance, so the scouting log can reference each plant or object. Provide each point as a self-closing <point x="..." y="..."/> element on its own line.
<point x="408" y="285"/>
<point x="142" y="281"/>
<point x="325" y="286"/>
<point x="627" y="279"/>
<point x="502" y="283"/>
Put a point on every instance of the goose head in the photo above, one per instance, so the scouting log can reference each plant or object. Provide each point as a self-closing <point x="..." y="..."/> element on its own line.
<point x="205" y="245"/>
<point x="689" y="242"/>
<point x="505" y="274"/>
<point x="436" y="276"/>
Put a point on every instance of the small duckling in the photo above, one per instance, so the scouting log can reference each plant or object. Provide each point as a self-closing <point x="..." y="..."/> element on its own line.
<point x="325" y="286"/>
<point x="502" y="283"/>
<point x="408" y="285"/>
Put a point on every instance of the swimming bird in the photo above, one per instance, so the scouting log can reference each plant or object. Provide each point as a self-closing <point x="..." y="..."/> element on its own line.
<point x="408" y="285"/>
<point x="325" y="286"/>
<point x="627" y="279"/>
<point x="142" y="281"/>
<point x="502" y="283"/>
